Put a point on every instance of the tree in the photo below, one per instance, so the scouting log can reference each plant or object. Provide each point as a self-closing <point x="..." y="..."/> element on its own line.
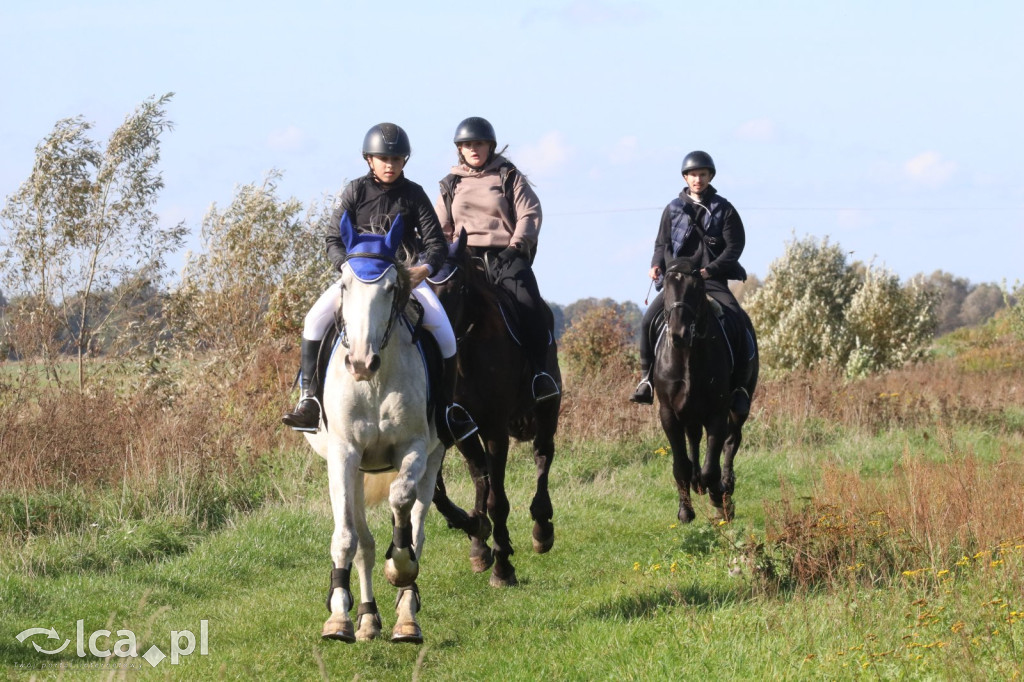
<point x="261" y="268"/>
<point x="951" y="291"/>
<point x="83" y="223"/>
<point x="890" y="325"/>
<point x="798" y="311"/>
<point x="984" y="301"/>
<point x="816" y="309"/>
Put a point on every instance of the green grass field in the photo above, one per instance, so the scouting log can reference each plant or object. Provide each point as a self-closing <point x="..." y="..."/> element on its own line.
<point x="626" y="593"/>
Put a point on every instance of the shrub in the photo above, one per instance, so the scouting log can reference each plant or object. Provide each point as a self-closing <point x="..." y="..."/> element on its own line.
<point x="816" y="309"/>
<point x="597" y="339"/>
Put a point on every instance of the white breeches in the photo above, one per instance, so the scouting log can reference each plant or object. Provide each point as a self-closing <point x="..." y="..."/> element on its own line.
<point x="435" y="320"/>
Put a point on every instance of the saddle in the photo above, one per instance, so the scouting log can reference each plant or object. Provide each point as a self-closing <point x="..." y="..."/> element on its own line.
<point x="736" y="329"/>
<point x="412" y="318"/>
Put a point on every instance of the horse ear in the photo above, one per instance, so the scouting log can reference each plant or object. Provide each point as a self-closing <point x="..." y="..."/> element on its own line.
<point x="460" y="243"/>
<point x="393" y="239"/>
<point x="347" y="231"/>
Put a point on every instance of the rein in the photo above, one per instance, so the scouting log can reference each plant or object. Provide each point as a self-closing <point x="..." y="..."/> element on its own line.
<point x="397" y="301"/>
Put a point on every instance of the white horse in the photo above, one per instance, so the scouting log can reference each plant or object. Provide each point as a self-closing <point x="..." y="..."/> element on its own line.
<point x="375" y="406"/>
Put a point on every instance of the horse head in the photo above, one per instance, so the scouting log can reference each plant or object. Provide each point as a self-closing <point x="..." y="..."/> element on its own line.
<point x="685" y="302"/>
<point x="374" y="289"/>
<point x="454" y="282"/>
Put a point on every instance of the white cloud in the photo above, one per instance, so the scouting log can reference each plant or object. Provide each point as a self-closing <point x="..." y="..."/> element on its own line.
<point x="290" y="139"/>
<point x="929" y="169"/>
<point x="758" y="130"/>
<point x="546" y="156"/>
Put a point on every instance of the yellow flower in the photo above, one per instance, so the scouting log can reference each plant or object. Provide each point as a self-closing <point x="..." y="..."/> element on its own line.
<point x="636" y="566"/>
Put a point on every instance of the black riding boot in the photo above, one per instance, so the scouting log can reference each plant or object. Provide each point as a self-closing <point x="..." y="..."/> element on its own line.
<point x="741" y="376"/>
<point x="644" y="393"/>
<point x="454" y="423"/>
<point x="306" y="415"/>
<point x="544" y="385"/>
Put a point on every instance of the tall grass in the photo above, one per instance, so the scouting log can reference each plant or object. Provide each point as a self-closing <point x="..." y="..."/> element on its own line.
<point x="878" y="532"/>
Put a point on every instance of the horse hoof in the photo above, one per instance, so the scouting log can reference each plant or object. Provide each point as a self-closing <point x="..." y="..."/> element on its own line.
<point x="481" y="561"/>
<point x="369" y="627"/>
<point x="543" y="542"/>
<point x="339" y="629"/>
<point x="686" y="515"/>
<point x="506" y="581"/>
<point x="401" y="569"/>
<point x="407" y="632"/>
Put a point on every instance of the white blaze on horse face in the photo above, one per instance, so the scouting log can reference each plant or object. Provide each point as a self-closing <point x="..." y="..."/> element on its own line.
<point x="366" y="310"/>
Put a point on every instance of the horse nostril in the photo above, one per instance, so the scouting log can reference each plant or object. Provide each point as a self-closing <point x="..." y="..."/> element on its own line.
<point x="374" y="363"/>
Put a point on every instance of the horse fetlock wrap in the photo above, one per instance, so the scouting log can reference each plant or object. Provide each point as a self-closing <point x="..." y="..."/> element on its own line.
<point x="375" y="400"/>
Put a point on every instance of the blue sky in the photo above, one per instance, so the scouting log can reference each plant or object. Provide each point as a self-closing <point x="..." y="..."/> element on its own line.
<point x="891" y="127"/>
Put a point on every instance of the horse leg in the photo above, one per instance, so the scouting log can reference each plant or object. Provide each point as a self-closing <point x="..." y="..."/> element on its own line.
<point x="341" y="470"/>
<point x="368" y="623"/>
<point x="711" y="474"/>
<point x="407" y="605"/>
<point x="694" y="432"/>
<point x="478" y="526"/>
<point x="455" y="515"/>
<point x="732" y="446"/>
<point x="503" y="573"/>
<point x="681" y="464"/>
<point x="541" y="510"/>
<point x="402" y="565"/>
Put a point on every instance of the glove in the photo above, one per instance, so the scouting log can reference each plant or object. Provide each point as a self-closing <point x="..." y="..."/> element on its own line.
<point x="506" y="256"/>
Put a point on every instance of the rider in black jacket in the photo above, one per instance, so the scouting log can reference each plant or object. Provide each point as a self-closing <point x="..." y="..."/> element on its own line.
<point x="372" y="203"/>
<point x="700" y="224"/>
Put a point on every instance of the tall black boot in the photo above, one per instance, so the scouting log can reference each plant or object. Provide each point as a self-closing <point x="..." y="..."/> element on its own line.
<point x="644" y="393"/>
<point x="543" y="385"/>
<point x="742" y="355"/>
<point x="306" y="415"/>
<point x="454" y="423"/>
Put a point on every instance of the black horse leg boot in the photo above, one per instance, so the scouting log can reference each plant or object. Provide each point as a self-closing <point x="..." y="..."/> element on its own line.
<point x="457" y="421"/>
<point x="306" y="415"/>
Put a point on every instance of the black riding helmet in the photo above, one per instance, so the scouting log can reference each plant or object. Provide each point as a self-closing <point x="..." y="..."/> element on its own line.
<point x="696" y="160"/>
<point x="386" y="139"/>
<point x="475" y="128"/>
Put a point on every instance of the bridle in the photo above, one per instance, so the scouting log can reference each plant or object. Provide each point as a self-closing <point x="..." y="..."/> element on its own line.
<point x="697" y="312"/>
<point x="397" y="301"/>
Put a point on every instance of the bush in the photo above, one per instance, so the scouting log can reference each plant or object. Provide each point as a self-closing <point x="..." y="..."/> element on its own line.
<point x="597" y="339"/>
<point x="814" y="309"/>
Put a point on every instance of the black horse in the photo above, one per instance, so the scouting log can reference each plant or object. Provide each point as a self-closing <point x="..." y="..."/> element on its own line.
<point x="495" y="385"/>
<point x="692" y="378"/>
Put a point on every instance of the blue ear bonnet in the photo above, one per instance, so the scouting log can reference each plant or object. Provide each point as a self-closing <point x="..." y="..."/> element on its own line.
<point x="370" y="255"/>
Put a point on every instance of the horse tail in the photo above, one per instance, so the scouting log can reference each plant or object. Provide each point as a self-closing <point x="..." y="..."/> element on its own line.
<point x="377" y="487"/>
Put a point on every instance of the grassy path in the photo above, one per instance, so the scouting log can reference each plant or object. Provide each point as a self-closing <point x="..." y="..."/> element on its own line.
<point x="626" y="594"/>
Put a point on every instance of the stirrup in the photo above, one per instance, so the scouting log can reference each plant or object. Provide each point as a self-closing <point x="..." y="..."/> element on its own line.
<point x="548" y="386"/>
<point x="460" y="423"/>
<point x="644" y="393"/>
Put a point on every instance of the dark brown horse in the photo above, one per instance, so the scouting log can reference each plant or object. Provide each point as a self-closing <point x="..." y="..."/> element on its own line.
<point x="494" y="384"/>
<point x="692" y="372"/>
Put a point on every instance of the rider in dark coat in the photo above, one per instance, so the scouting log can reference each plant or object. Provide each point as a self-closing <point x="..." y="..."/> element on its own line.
<point x="372" y="203"/>
<point x="703" y="225"/>
<point x="489" y="198"/>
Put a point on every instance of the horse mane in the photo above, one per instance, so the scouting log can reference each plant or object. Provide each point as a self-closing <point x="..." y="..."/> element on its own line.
<point x="484" y="294"/>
